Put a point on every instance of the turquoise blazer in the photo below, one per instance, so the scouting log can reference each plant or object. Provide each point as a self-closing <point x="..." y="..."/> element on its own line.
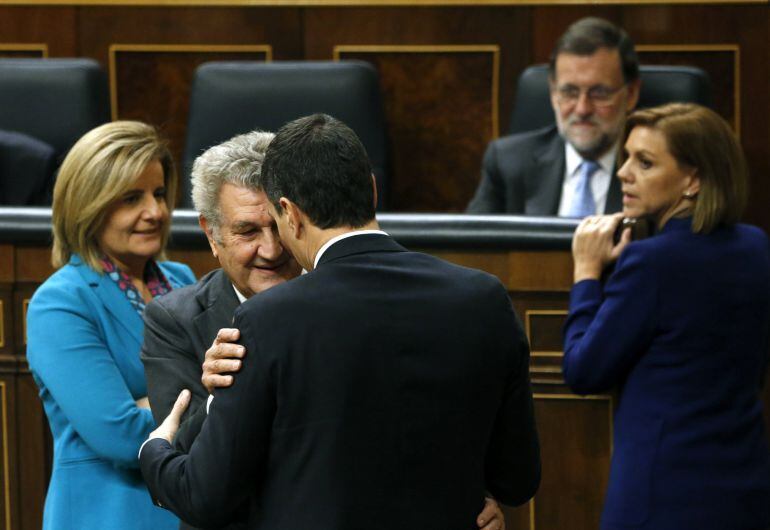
<point x="83" y="342"/>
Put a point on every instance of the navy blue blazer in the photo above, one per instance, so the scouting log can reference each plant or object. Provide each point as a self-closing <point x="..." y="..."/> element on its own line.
<point x="681" y="327"/>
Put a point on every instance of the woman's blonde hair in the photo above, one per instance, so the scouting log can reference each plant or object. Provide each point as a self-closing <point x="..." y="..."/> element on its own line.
<point x="697" y="137"/>
<point x="97" y="171"/>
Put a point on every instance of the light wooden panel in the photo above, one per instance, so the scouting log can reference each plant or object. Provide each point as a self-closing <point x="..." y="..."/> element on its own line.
<point x="10" y="50"/>
<point x="576" y="446"/>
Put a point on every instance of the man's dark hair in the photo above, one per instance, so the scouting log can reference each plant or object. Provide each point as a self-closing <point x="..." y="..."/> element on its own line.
<point x="589" y="34"/>
<point x="319" y="163"/>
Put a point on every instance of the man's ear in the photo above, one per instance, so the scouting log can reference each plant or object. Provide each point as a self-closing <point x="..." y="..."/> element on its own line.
<point x="209" y="231"/>
<point x="552" y="94"/>
<point x="374" y="191"/>
<point x="633" y="94"/>
<point x="295" y="218"/>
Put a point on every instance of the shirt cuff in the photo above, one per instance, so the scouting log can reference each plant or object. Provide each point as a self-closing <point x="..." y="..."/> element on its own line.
<point x="145" y="443"/>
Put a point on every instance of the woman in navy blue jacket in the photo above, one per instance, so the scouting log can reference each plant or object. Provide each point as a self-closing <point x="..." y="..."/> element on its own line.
<point x="111" y="215"/>
<point x="680" y="328"/>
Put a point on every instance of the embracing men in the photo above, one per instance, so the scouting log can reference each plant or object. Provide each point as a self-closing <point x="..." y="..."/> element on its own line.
<point x="383" y="389"/>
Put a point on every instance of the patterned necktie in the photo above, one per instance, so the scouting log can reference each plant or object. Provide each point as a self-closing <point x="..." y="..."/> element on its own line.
<point x="583" y="199"/>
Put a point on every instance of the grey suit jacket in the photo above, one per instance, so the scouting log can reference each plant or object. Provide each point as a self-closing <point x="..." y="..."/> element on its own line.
<point x="179" y="328"/>
<point x="523" y="174"/>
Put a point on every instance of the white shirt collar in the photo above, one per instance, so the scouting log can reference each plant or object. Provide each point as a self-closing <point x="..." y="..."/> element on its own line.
<point x="239" y="294"/>
<point x="606" y="161"/>
<point x="341" y="237"/>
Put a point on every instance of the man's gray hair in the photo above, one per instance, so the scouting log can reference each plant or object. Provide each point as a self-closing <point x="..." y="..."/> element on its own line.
<point x="237" y="161"/>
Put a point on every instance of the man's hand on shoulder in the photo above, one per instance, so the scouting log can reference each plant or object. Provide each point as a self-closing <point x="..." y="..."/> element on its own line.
<point x="223" y="357"/>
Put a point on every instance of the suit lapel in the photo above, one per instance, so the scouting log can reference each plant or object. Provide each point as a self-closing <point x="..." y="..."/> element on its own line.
<point x="113" y="300"/>
<point x="545" y="180"/>
<point x="219" y="302"/>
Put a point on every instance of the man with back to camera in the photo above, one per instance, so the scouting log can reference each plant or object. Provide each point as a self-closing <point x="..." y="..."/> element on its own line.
<point x="384" y="389"/>
<point x="178" y="329"/>
<point x="568" y="170"/>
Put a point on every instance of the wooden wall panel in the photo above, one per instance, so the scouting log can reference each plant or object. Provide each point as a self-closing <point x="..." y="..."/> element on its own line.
<point x="22" y="294"/>
<point x="423" y="88"/>
<point x="437" y="145"/>
<point x="543" y="328"/>
<point x="8" y="461"/>
<point x="165" y="101"/>
<point x="102" y="26"/>
<point x="509" y="28"/>
<point x="35" y="453"/>
<point x="54" y="26"/>
<point x="576" y="444"/>
<point x="5" y="319"/>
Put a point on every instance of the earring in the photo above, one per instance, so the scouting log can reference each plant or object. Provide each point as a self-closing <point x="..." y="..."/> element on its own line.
<point x="688" y="195"/>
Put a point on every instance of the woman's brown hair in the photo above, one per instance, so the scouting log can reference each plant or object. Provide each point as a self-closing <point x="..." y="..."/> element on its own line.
<point x="699" y="138"/>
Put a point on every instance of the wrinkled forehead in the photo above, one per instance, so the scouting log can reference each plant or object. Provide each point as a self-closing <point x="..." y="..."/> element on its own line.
<point x="603" y="67"/>
<point x="242" y="206"/>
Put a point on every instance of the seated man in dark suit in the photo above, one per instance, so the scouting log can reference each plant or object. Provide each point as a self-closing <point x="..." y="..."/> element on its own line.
<point x="568" y="170"/>
<point x="27" y="170"/>
<point x="384" y="389"/>
<point x="181" y="326"/>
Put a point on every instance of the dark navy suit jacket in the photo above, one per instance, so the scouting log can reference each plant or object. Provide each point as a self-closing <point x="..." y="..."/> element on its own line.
<point x="524" y="173"/>
<point x="385" y="389"/>
<point x="681" y="326"/>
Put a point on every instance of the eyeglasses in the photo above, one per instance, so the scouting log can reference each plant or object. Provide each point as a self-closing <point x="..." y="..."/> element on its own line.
<point x="599" y="96"/>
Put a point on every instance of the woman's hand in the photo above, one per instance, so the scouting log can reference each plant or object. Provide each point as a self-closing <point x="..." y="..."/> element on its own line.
<point x="592" y="245"/>
<point x="143" y="403"/>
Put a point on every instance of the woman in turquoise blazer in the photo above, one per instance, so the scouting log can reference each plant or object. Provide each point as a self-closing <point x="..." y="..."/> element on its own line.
<point x="110" y="222"/>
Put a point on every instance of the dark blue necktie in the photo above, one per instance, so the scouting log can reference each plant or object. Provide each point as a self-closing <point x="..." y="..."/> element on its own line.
<point x="583" y="203"/>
